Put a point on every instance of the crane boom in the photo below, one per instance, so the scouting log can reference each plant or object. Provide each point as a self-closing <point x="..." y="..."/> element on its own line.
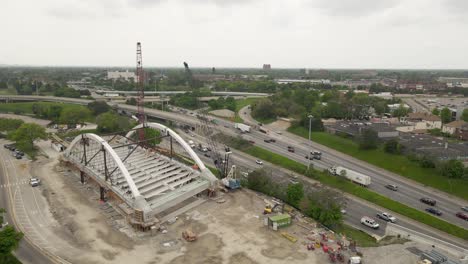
<point x="141" y="91"/>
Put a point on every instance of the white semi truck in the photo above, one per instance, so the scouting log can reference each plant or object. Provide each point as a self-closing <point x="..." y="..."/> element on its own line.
<point x="351" y="175"/>
<point x="242" y="127"/>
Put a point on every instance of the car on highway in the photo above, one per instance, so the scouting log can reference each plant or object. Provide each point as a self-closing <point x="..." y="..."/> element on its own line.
<point x="34" y="182"/>
<point x="434" y="211"/>
<point x="279" y="132"/>
<point x="259" y="162"/>
<point x="251" y="142"/>
<point x="465" y="208"/>
<point x="227" y="149"/>
<point x="367" y="221"/>
<point x="428" y="201"/>
<point x="309" y="157"/>
<point x="462" y="215"/>
<point x="392" y="187"/>
<point x="387" y="217"/>
<point x="291" y="149"/>
<point x="267" y="140"/>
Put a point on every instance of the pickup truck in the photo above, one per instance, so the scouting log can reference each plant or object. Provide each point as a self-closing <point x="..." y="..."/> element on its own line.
<point x="387" y="217"/>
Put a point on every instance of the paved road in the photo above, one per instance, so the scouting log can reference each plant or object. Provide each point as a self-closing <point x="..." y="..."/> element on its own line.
<point x="26" y="252"/>
<point x="355" y="208"/>
<point x="409" y="192"/>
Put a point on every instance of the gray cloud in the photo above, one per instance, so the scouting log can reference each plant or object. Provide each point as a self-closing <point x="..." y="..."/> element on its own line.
<point x="350" y="8"/>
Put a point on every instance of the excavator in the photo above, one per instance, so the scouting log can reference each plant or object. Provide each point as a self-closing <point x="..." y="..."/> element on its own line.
<point x="269" y="208"/>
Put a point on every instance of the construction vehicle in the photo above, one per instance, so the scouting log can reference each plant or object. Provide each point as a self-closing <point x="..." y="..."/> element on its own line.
<point x="270" y="208"/>
<point x="189" y="235"/>
<point x="230" y="181"/>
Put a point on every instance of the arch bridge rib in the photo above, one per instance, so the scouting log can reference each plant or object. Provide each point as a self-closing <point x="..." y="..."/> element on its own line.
<point x="206" y="173"/>
<point x="94" y="152"/>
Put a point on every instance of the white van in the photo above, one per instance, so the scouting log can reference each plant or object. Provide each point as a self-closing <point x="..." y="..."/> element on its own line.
<point x="367" y="221"/>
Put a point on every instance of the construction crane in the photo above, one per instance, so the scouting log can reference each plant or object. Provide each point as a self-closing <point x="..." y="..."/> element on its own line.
<point x="207" y="129"/>
<point x="140" y="75"/>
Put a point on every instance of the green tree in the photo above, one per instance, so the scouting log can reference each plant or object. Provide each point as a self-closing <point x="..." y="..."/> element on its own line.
<point x="71" y="116"/>
<point x="99" y="107"/>
<point x="464" y="115"/>
<point x="294" y="193"/>
<point x="152" y="134"/>
<point x="27" y="133"/>
<point x="436" y="111"/>
<point x="2" y="211"/>
<point x="445" y="115"/>
<point x="9" y="124"/>
<point x="368" y="139"/>
<point x="453" y="169"/>
<point x="401" y="111"/>
<point x="110" y="122"/>
<point x="9" y="240"/>
<point x="263" y="109"/>
<point x="393" y="146"/>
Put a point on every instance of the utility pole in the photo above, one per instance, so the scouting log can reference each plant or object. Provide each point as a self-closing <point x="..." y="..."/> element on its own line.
<point x="310" y="141"/>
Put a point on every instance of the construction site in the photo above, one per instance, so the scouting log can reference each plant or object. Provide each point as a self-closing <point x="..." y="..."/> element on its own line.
<point x="145" y="194"/>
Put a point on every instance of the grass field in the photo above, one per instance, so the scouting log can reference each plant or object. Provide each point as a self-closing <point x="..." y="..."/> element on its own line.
<point x="362" y="238"/>
<point x="26" y="108"/>
<point x="240" y="104"/>
<point x="356" y="190"/>
<point x="399" y="164"/>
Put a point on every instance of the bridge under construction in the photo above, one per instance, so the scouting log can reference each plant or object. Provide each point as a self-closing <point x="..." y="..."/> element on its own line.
<point x="144" y="180"/>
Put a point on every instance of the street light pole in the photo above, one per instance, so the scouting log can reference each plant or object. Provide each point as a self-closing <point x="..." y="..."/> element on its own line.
<point x="310" y="141"/>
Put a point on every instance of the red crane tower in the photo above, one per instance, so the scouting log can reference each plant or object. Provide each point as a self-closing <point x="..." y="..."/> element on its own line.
<point x="140" y="75"/>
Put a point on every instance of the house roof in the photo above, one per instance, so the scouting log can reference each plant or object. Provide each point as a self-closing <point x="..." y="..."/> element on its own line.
<point x="423" y="116"/>
<point x="456" y="124"/>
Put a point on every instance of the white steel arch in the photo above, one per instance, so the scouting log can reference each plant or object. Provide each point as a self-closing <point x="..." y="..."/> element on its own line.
<point x="115" y="157"/>
<point x="178" y="138"/>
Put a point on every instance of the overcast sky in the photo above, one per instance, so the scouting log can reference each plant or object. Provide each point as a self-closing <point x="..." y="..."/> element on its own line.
<point x="237" y="33"/>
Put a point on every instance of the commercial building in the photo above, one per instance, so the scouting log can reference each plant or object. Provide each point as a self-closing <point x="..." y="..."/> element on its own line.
<point x="419" y="122"/>
<point x="125" y="75"/>
<point x="355" y="129"/>
<point x="452" y="127"/>
<point x="266" y="67"/>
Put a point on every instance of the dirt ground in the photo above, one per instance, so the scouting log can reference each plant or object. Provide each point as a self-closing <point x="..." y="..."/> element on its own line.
<point x="230" y="232"/>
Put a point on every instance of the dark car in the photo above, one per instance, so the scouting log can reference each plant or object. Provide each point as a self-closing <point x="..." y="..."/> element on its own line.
<point x="433" y="211"/>
<point x="272" y="140"/>
<point x="428" y="201"/>
<point x="291" y="149"/>
<point x="207" y="155"/>
<point x="251" y="142"/>
<point x="392" y="187"/>
<point x="307" y="157"/>
<point x="267" y="140"/>
<point x="462" y="215"/>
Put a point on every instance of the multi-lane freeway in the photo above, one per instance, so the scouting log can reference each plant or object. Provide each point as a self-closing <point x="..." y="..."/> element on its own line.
<point x="355" y="208"/>
<point x="409" y="191"/>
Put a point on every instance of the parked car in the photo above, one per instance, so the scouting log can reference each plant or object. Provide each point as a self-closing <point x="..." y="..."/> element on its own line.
<point x="392" y="187"/>
<point x="465" y="208"/>
<point x="434" y="211"/>
<point x="462" y="215"/>
<point x="291" y="149"/>
<point x="428" y="201"/>
<point x="387" y="217"/>
<point x="367" y="221"/>
<point x="18" y="156"/>
<point x="207" y="155"/>
<point x="227" y="149"/>
<point x="34" y="182"/>
<point x="259" y="162"/>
